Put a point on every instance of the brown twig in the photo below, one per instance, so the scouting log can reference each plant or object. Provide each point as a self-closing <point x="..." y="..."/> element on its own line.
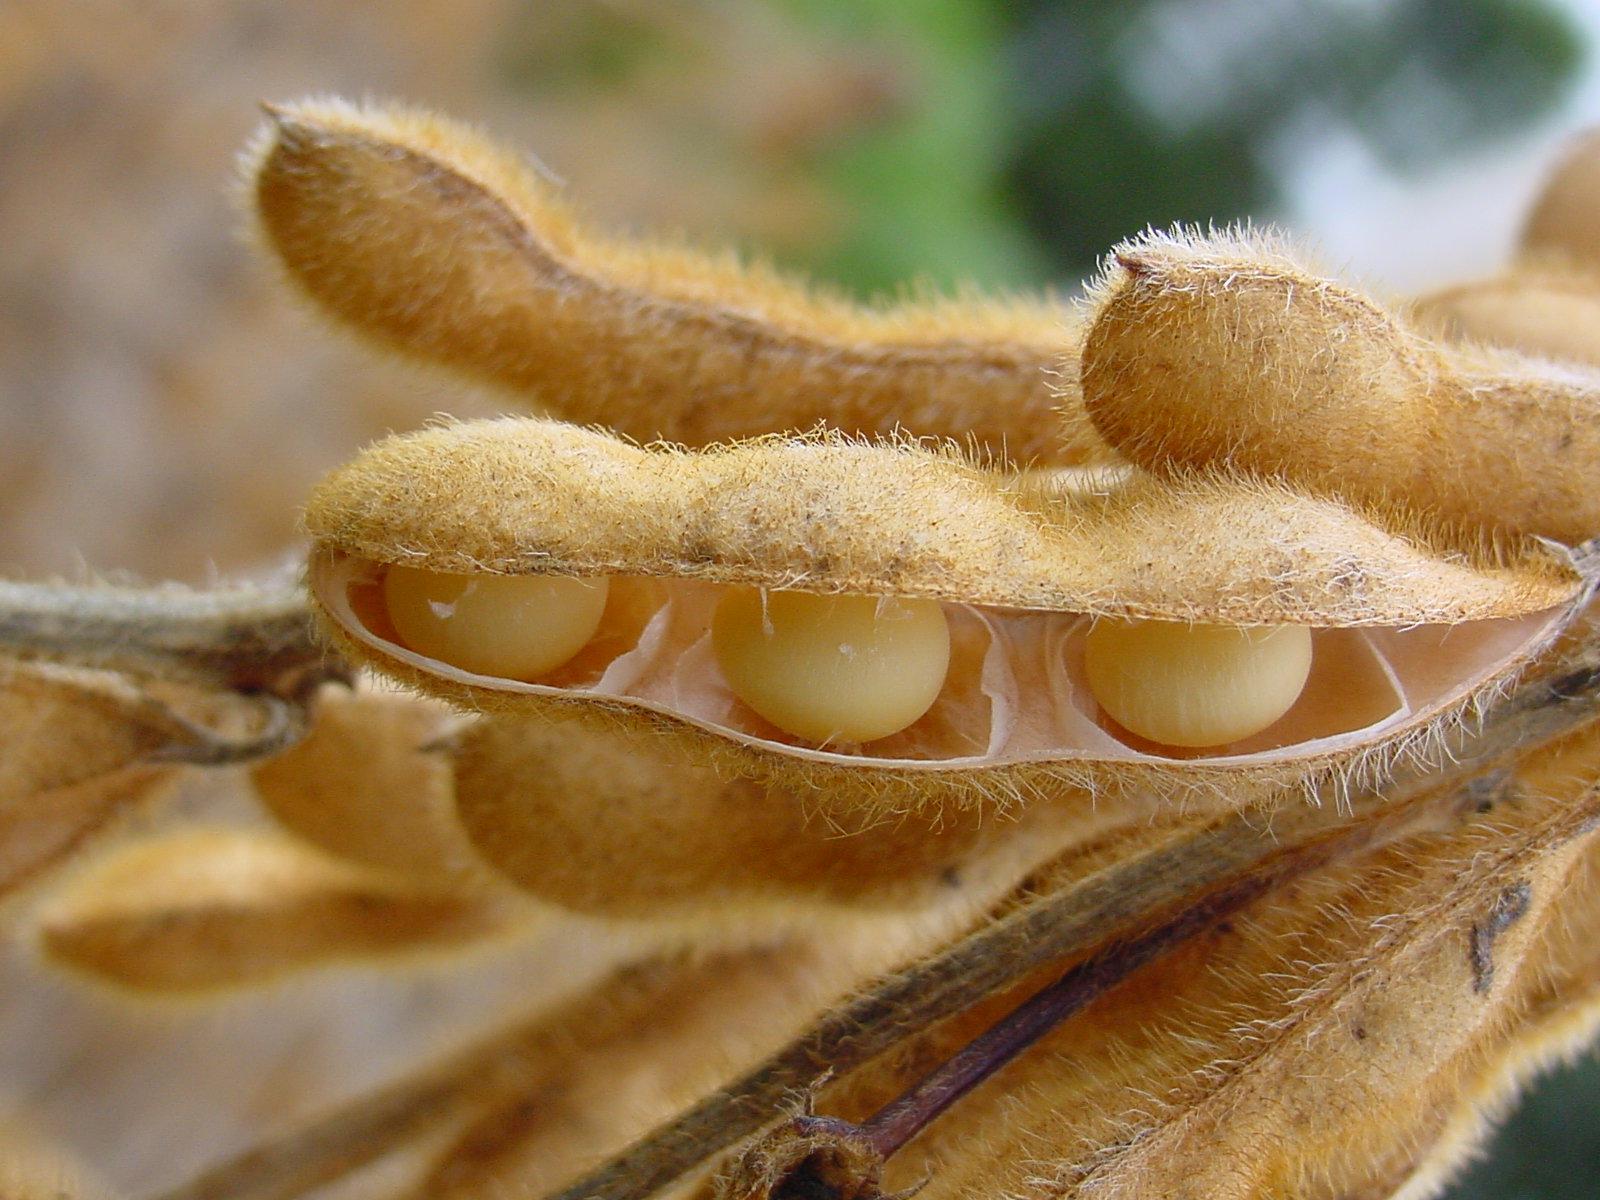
<point x="259" y="644"/>
<point x="244" y="639"/>
<point x="897" y="1122"/>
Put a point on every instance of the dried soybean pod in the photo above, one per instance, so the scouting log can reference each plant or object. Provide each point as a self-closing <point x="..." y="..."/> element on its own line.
<point x="1223" y="354"/>
<point x="530" y="496"/>
<point x="211" y="908"/>
<point x="370" y="784"/>
<point x="1015" y="564"/>
<point x="419" y="234"/>
<point x="1548" y="302"/>
<point x="1565" y="222"/>
<point x="1552" y="312"/>
<point x="556" y="806"/>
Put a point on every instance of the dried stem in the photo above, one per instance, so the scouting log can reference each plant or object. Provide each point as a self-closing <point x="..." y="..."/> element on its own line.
<point x="284" y="721"/>
<point x="244" y="639"/>
<point x="252" y="641"/>
<point x="897" y="1122"/>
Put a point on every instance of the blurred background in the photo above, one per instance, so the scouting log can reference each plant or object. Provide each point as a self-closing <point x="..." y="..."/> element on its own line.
<point x="164" y="408"/>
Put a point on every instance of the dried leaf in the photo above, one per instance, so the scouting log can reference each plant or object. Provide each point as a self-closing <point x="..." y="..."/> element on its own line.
<point x="210" y="908"/>
<point x="70" y="764"/>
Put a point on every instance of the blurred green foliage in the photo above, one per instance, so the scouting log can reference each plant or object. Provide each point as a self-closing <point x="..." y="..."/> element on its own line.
<point x="1549" y="1149"/>
<point x="1081" y="123"/>
<point x="1147" y="113"/>
<point x="924" y="185"/>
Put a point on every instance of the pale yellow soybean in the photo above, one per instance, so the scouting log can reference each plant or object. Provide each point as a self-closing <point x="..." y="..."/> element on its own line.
<point x="842" y="668"/>
<point x="511" y="626"/>
<point x="1196" y="685"/>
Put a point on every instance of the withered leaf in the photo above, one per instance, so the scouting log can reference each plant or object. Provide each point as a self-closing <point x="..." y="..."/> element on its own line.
<point x="73" y="746"/>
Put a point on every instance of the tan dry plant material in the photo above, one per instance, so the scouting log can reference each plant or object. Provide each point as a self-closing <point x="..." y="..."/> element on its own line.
<point x="1224" y="354"/>
<point x="1104" y="892"/>
<point x="417" y="232"/>
<point x="579" y="1079"/>
<point x="828" y="514"/>
<point x="235" y="637"/>
<point x="1156" y="975"/>
<point x="629" y="1066"/>
<point x="33" y="1168"/>
<point x="1019" y="562"/>
<point x="1550" y="310"/>
<point x="1319" y="1045"/>
<point x="75" y="757"/>
<point x="1547" y="302"/>
<point x="558" y="807"/>
<point x="211" y="908"/>
<point x="1564" y="222"/>
<point x="371" y="783"/>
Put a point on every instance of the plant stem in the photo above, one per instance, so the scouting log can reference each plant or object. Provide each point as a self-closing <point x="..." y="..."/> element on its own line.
<point x="244" y="639"/>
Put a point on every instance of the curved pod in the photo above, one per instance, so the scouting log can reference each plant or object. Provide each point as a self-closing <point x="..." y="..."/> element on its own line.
<point x="1404" y="636"/>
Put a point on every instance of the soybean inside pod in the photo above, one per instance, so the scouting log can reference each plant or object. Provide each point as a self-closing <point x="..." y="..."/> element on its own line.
<point x="795" y="605"/>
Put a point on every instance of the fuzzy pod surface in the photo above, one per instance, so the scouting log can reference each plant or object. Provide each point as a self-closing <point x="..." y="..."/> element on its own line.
<point x="420" y="234"/>
<point x="1225" y="354"/>
<point x="1021" y="564"/>
<point x="1553" y="312"/>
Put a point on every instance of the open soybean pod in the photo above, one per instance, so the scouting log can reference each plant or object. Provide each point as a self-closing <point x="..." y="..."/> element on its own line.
<point x="1182" y="636"/>
<point x="421" y="235"/>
